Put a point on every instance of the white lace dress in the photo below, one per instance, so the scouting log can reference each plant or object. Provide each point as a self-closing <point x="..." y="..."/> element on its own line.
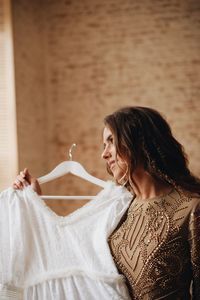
<point x="48" y="257"/>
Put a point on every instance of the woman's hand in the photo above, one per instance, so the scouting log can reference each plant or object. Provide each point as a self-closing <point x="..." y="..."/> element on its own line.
<point x="23" y="179"/>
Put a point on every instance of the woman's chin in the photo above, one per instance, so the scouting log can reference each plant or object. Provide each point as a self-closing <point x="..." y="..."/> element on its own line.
<point x="117" y="178"/>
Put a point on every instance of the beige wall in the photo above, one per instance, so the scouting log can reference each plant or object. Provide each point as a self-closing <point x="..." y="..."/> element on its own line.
<point x="77" y="61"/>
<point x="29" y="57"/>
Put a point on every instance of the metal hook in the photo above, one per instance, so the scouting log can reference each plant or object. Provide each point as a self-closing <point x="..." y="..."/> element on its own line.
<point x="70" y="151"/>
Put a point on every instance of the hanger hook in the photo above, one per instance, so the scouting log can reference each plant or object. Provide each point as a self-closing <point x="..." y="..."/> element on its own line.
<point x="70" y="151"/>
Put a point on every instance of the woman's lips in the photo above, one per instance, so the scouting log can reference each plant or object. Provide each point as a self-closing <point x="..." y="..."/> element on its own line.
<point x="111" y="164"/>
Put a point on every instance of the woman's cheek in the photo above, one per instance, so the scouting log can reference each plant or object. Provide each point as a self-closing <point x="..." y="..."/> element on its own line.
<point x="118" y="170"/>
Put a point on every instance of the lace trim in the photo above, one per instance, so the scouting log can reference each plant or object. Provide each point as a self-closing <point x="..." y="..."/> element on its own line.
<point x="113" y="278"/>
<point x="8" y="292"/>
<point x="110" y="192"/>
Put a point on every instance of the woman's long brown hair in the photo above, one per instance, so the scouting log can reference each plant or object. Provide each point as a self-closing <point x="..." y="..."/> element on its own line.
<point x="142" y="136"/>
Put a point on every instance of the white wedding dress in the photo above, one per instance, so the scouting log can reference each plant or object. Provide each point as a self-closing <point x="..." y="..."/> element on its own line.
<point x="44" y="256"/>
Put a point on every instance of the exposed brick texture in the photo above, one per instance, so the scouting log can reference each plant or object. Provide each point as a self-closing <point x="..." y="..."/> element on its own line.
<point x="77" y="61"/>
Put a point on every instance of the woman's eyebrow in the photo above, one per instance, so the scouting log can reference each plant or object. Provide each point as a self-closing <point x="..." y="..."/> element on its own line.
<point x="109" y="137"/>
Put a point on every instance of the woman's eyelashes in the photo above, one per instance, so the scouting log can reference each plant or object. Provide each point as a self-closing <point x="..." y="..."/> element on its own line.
<point x="111" y="139"/>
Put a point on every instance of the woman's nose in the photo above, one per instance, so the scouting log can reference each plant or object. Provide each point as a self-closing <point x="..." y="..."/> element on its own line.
<point x="105" y="154"/>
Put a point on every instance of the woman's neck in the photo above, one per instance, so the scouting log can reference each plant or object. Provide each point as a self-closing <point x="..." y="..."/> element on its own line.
<point x="146" y="187"/>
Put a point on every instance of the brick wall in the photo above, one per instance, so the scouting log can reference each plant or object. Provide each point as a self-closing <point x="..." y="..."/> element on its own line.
<point x="77" y="61"/>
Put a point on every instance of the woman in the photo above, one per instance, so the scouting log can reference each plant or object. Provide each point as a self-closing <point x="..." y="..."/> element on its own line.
<point x="156" y="244"/>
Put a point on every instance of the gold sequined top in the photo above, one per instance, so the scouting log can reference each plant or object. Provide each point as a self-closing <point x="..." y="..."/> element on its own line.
<point x="157" y="247"/>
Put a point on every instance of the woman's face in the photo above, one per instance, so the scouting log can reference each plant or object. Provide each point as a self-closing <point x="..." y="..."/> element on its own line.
<point x="117" y="165"/>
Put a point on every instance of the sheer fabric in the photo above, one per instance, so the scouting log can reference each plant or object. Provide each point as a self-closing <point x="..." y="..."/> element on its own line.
<point x="46" y="256"/>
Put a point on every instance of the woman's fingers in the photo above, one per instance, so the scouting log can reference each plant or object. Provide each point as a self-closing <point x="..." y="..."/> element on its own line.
<point x="20" y="181"/>
<point x="25" y="178"/>
<point x="15" y="186"/>
<point x="22" y="174"/>
<point x="27" y="175"/>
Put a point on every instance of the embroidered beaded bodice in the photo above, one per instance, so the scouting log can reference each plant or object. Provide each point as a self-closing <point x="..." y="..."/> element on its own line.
<point x="157" y="247"/>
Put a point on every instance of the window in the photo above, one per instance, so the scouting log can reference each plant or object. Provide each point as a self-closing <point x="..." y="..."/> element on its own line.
<point x="8" y="133"/>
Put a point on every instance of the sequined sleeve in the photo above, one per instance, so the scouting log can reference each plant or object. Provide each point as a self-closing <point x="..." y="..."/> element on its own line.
<point x="194" y="239"/>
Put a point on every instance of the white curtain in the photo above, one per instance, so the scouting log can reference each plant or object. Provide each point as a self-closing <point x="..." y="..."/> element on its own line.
<point x="8" y="132"/>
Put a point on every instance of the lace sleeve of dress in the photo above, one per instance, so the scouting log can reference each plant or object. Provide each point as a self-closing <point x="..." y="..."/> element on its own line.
<point x="194" y="239"/>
